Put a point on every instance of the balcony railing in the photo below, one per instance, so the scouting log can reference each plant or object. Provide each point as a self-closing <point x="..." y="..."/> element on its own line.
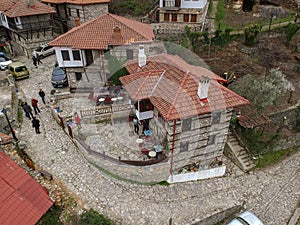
<point x="144" y="115"/>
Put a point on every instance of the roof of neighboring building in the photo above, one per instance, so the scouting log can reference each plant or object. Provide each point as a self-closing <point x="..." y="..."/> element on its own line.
<point x="100" y="33"/>
<point x="22" y="199"/>
<point x="77" y="2"/>
<point x="173" y="90"/>
<point x="252" y="122"/>
<point x="19" y="8"/>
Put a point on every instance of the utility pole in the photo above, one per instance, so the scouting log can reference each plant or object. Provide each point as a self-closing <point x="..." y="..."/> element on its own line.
<point x="4" y="111"/>
<point x="271" y="18"/>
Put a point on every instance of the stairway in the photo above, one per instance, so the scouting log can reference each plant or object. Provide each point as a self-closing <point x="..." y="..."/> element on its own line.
<point x="238" y="154"/>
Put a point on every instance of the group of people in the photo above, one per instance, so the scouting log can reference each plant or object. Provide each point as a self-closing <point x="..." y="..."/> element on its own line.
<point x="137" y="124"/>
<point x="28" y="110"/>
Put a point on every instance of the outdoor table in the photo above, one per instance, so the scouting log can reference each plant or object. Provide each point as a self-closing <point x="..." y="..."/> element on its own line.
<point x="101" y="99"/>
<point x="152" y="154"/>
<point x="114" y="99"/>
<point x="120" y="98"/>
<point x="139" y="140"/>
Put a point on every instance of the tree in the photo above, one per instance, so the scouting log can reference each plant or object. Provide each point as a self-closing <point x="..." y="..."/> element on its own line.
<point x="93" y="217"/>
<point x="251" y="34"/>
<point x="261" y="92"/>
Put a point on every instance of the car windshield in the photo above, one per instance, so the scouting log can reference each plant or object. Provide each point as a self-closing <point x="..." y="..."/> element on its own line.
<point x="3" y="59"/>
<point x="58" y="72"/>
<point x="20" y="68"/>
<point x="39" y="49"/>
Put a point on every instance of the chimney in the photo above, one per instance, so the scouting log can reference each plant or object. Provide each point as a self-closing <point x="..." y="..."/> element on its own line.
<point x="203" y="90"/>
<point x="31" y="3"/>
<point x="141" y="56"/>
<point x="117" y="34"/>
<point x="77" y="21"/>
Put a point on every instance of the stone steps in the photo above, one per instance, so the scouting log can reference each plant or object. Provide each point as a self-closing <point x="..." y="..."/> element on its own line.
<point x="239" y="155"/>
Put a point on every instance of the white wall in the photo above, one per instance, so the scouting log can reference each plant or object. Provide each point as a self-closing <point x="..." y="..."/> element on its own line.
<point x="192" y="4"/>
<point x="3" y="20"/>
<point x="71" y="62"/>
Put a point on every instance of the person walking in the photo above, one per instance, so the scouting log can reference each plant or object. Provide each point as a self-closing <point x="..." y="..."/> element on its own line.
<point x="34" y="103"/>
<point x="136" y="125"/>
<point x="36" y="125"/>
<point x="38" y="59"/>
<point x="34" y="61"/>
<point x="27" y="109"/>
<point x="42" y="95"/>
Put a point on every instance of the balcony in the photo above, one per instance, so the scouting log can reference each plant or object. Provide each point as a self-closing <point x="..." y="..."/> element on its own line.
<point x="144" y="115"/>
<point x="171" y="4"/>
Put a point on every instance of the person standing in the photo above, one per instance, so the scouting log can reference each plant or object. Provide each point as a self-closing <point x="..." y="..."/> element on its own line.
<point x="34" y="103"/>
<point x="77" y="120"/>
<point x="136" y="125"/>
<point x="36" y="125"/>
<point x="34" y="61"/>
<point x="42" y="95"/>
<point x="27" y="109"/>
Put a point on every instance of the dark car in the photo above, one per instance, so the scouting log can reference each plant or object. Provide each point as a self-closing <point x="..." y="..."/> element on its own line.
<point x="59" y="77"/>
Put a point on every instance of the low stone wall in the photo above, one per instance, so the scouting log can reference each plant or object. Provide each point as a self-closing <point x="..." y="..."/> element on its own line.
<point x="141" y="174"/>
<point x="221" y="214"/>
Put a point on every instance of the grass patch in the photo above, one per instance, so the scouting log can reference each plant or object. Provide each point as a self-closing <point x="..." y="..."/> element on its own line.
<point x="270" y="158"/>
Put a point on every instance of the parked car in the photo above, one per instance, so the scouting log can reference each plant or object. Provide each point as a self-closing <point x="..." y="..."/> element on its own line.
<point x="4" y="61"/>
<point x="59" y="77"/>
<point x="246" y="218"/>
<point x="3" y="54"/>
<point x="18" y="70"/>
<point x="43" y="51"/>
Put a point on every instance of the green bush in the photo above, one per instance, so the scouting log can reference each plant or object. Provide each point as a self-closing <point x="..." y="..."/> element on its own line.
<point x="291" y="29"/>
<point x="93" y="217"/>
<point x="51" y="217"/>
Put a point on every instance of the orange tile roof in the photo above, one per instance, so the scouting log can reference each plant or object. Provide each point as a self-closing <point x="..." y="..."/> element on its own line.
<point x="20" y="8"/>
<point x="76" y="2"/>
<point x="98" y="33"/>
<point x="174" y="91"/>
<point x="163" y="61"/>
<point x="22" y="199"/>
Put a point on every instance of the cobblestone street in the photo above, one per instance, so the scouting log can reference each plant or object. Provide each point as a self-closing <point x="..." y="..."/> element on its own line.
<point x="272" y="193"/>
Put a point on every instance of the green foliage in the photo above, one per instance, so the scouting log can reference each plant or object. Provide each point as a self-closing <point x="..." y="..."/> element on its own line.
<point x="251" y="34"/>
<point x="132" y="7"/>
<point x="192" y="38"/>
<point x="51" y="217"/>
<point x="221" y="37"/>
<point x="221" y="11"/>
<point x="271" y="158"/>
<point x="257" y="142"/>
<point x="291" y="29"/>
<point x="261" y="92"/>
<point x="93" y="217"/>
<point x="117" y="70"/>
<point x="164" y="183"/>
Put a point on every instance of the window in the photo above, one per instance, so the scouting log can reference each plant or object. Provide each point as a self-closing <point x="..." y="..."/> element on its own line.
<point x="184" y="146"/>
<point x="194" y="18"/>
<point x="186" y="124"/>
<point x="76" y="55"/>
<point x="216" y="117"/>
<point x="69" y="12"/>
<point x="77" y="11"/>
<point x="129" y="53"/>
<point x="211" y="140"/>
<point x="186" y="18"/>
<point x="174" y="17"/>
<point x="65" y="55"/>
<point x="78" y="76"/>
<point x="166" y="17"/>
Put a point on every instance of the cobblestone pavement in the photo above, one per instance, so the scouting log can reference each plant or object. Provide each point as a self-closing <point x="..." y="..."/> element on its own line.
<point x="272" y="193"/>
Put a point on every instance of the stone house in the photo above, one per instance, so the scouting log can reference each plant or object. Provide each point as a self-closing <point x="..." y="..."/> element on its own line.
<point x="27" y="24"/>
<point x="86" y="47"/>
<point x="176" y="14"/>
<point x="185" y="105"/>
<point x="71" y="13"/>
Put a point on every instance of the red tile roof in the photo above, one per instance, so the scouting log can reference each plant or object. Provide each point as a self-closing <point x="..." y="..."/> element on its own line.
<point x="173" y="90"/>
<point x="99" y="33"/>
<point x="18" y="8"/>
<point x="22" y="199"/>
<point x="76" y="2"/>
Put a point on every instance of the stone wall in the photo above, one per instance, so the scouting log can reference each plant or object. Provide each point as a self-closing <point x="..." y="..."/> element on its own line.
<point x="198" y="148"/>
<point x="142" y="174"/>
<point x="84" y="12"/>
